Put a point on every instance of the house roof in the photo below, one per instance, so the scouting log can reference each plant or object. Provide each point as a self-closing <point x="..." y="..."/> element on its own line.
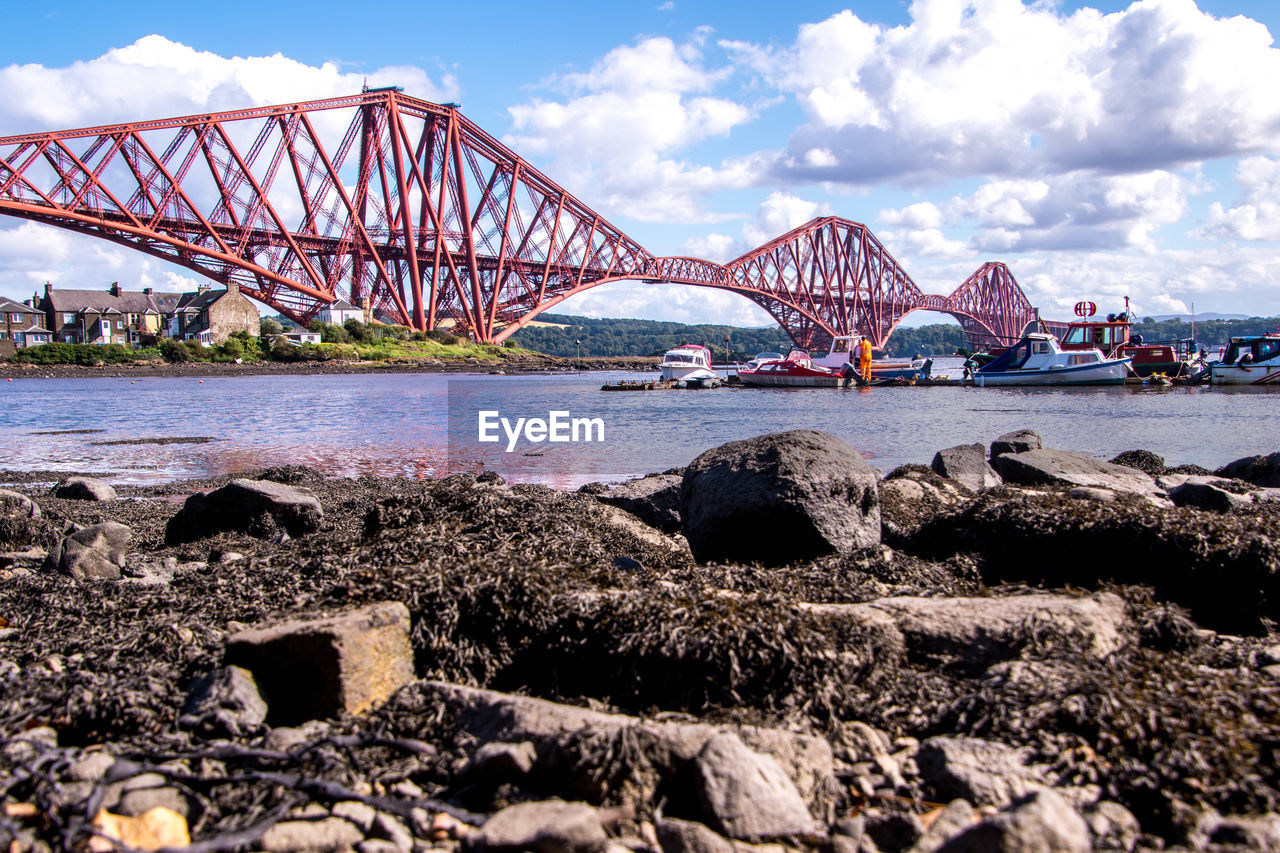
<point x="7" y="305"/>
<point x="343" y="305"/>
<point x="101" y="301"/>
<point x="36" y="327"/>
<point x="199" y="300"/>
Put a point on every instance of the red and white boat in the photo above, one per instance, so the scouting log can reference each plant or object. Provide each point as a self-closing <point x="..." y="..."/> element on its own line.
<point x="797" y="370"/>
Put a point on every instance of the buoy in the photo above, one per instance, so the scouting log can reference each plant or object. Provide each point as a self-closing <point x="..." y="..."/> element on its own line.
<point x="201" y="381"/>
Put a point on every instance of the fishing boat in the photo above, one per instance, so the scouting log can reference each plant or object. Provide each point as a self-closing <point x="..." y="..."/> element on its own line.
<point x="1037" y="359"/>
<point x="797" y="370"/>
<point x="842" y="352"/>
<point x="1249" y="360"/>
<point x="1114" y="336"/>
<point x="689" y="366"/>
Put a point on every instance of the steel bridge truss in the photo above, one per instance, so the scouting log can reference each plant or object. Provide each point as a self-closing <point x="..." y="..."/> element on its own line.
<point x="407" y="207"/>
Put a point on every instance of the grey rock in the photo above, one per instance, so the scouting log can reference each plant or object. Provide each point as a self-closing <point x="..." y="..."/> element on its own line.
<point x="358" y="813"/>
<point x="1200" y="493"/>
<point x="957" y="817"/>
<point x="325" y="834"/>
<point x="911" y="497"/>
<point x="1239" y="832"/>
<point x="1041" y="823"/>
<point x="983" y="630"/>
<point x="347" y="663"/>
<point x="966" y="464"/>
<point x="84" y="489"/>
<point x="545" y="827"/>
<point x="1093" y="493"/>
<point x="503" y="760"/>
<point x="91" y="766"/>
<point x="1261" y="470"/>
<point x="686" y="836"/>
<point x="286" y="738"/>
<point x="655" y="500"/>
<point x="1114" y="828"/>
<point x="30" y="744"/>
<point x="387" y="827"/>
<point x="747" y="795"/>
<point x="97" y="551"/>
<point x="1018" y="441"/>
<point x="256" y="507"/>
<point x="224" y="702"/>
<point x="985" y="773"/>
<point x="1064" y="468"/>
<point x="778" y="499"/>
<point x="893" y="830"/>
<point x="148" y="791"/>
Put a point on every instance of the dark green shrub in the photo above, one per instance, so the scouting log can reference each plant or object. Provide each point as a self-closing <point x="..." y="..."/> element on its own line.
<point x="174" y="352"/>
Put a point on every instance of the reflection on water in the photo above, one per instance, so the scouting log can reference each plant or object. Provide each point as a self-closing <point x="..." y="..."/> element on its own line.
<point x="425" y="425"/>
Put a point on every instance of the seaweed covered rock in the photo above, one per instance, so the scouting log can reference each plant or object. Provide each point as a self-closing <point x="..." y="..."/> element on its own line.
<point x="1260" y="470"/>
<point x="97" y="551"/>
<point x="256" y="507"/>
<point x="778" y="499"/>
<point x="19" y="520"/>
<point x="1065" y="468"/>
<point x="1142" y="460"/>
<point x="84" y="489"/>
<point x="912" y="495"/>
<point x="655" y="500"/>
<point x="1225" y="569"/>
<point x="966" y="464"/>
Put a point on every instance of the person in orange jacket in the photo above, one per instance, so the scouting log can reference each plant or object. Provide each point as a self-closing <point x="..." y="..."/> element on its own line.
<point x="864" y="359"/>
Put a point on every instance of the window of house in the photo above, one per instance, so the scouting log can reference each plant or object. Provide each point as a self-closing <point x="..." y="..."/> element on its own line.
<point x="16" y="318"/>
<point x="2" y="336"/>
<point x="17" y="337"/>
<point x="119" y="324"/>
<point x="68" y="319"/>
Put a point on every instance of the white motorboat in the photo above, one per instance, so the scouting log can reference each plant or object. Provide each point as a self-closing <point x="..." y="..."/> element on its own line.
<point x="689" y="365"/>
<point x="1038" y="360"/>
<point x="1249" y="360"/>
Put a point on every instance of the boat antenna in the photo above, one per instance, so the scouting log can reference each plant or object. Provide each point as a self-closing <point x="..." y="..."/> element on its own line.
<point x="1193" y="323"/>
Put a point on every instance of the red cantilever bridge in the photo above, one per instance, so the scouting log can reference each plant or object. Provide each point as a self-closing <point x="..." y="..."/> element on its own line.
<point x="408" y="204"/>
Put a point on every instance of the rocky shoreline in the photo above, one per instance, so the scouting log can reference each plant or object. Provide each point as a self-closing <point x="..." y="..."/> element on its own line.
<point x="518" y="363"/>
<point x="773" y="649"/>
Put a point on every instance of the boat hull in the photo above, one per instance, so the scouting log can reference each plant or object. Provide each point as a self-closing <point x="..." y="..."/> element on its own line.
<point x="1258" y="374"/>
<point x="1106" y="373"/>
<point x="782" y="380"/>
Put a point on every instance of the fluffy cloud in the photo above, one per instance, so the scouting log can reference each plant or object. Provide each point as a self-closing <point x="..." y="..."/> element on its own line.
<point x="155" y="77"/>
<point x="613" y="139"/>
<point x="777" y="214"/>
<point x="1003" y="88"/>
<point x="1257" y="217"/>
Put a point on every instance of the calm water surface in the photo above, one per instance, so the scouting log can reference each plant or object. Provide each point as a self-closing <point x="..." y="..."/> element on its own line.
<point x="425" y="425"/>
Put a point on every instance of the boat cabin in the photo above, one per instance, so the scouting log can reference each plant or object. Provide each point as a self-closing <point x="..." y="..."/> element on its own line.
<point x="1114" y="337"/>
<point x="1038" y="351"/>
<point x="1252" y="349"/>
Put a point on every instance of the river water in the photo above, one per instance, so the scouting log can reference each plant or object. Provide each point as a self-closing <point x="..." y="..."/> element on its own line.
<point x="427" y="425"/>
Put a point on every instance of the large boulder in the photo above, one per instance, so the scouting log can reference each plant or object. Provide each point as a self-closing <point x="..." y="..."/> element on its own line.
<point x="19" y="517"/>
<point x="655" y="500"/>
<point x="1018" y="441"/>
<point x="966" y="464"/>
<point x="1259" y="470"/>
<point x="982" y="772"/>
<point x="96" y="552"/>
<point x="779" y="499"/>
<point x="543" y="827"/>
<point x="256" y="507"/>
<point x="84" y="489"/>
<point x="748" y="795"/>
<point x="1065" y="468"/>
<point x="312" y="669"/>
<point x="224" y="702"/>
<point x="912" y="496"/>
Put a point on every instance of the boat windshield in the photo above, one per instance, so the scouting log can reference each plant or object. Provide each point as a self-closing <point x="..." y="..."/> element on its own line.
<point x="682" y="358"/>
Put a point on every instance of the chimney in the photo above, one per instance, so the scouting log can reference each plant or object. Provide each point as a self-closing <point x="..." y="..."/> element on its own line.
<point x="202" y="288"/>
<point x="115" y="289"/>
<point x="233" y="287"/>
<point x="148" y="290"/>
<point x="367" y="304"/>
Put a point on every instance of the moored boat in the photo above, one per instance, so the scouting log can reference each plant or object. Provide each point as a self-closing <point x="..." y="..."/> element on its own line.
<point x="689" y="365"/>
<point x="1114" y="337"/>
<point x="843" y="348"/>
<point x="1037" y="359"/>
<point x="1248" y="360"/>
<point x="797" y="370"/>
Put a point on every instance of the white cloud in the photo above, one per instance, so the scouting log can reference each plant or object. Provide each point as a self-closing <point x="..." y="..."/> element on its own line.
<point x="924" y="214"/>
<point x="924" y="243"/>
<point x="156" y="78"/>
<point x="1257" y="216"/>
<point x="612" y="141"/>
<point x="1073" y="211"/>
<point x="679" y="303"/>
<point x="1006" y="88"/>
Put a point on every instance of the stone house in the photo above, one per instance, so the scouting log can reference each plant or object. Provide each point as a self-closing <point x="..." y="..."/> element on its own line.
<point x="20" y="326"/>
<point x="112" y="316"/>
<point x="211" y="316"/>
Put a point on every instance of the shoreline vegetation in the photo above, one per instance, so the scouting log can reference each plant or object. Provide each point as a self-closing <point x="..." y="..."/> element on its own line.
<point x="1014" y="648"/>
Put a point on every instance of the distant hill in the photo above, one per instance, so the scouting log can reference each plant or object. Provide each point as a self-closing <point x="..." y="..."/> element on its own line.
<point x="1207" y="315"/>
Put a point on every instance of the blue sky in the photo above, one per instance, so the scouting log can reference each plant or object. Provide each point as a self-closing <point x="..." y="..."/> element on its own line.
<point x="1100" y="149"/>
